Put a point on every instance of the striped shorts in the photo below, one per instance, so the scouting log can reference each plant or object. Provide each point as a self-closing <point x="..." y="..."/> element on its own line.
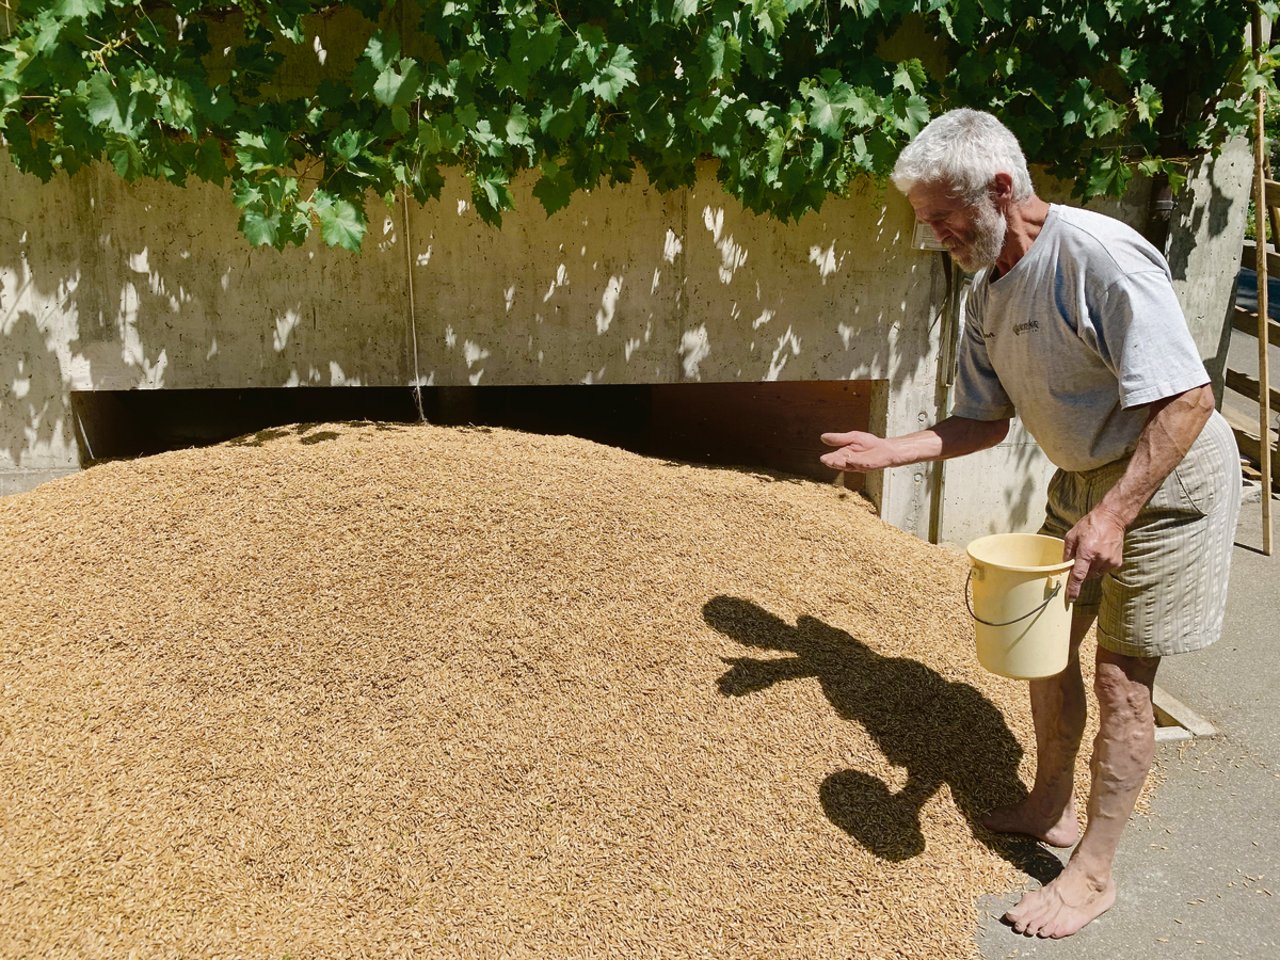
<point x="1170" y="593"/>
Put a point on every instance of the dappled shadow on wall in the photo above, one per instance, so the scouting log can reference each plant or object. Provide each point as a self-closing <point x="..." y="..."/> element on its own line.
<point x="32" y="414"/>
<point x="151" y="285"/>
<point x="858" y="301"/>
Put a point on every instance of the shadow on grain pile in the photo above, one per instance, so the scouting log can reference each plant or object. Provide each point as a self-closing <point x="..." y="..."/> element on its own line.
<point x="350" y="689"/>
<point x="941" y="733"/>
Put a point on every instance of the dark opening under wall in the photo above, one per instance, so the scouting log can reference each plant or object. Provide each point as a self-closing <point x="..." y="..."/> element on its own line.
<point x="774" y="426"/>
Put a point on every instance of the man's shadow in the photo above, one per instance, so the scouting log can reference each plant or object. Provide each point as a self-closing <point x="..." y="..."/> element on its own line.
<point x="940" y="732"/>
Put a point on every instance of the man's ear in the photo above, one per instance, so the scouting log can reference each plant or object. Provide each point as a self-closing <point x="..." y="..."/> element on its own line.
<point x="1002" y="189"/>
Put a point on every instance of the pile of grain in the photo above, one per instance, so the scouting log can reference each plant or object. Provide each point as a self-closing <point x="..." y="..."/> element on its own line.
<point x="370" y="690"/>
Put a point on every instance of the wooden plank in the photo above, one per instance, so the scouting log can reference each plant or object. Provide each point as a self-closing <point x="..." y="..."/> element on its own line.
<point x="1247" y="386"/>
<point x="1246" y="431"/>
<point x="1177" y="712"/>
<point x="1249" y="257"/>
<point x="1271" y="191"/>
<point x="1249" y="471"/>
<point x="1246" y="321"/>
<point x="1250" y="448"/>
<point x="1254" y="475"/>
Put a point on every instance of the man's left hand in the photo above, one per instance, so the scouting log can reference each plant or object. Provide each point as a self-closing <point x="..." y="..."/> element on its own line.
<point x="1096" y="544"/>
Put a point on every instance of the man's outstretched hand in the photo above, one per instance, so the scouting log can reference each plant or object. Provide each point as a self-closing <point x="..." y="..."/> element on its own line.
<point x="857" y="451"/>
<point x="1096" y="544"/>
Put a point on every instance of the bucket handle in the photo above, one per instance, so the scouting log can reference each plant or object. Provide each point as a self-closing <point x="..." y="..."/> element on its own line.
<point x="969" y="604"/>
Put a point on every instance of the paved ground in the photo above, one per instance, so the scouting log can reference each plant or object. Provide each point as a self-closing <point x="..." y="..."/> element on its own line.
<point x="1199" y="876"/>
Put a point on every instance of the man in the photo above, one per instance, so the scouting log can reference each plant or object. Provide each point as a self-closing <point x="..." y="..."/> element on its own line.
<point x="1072" y="322"/>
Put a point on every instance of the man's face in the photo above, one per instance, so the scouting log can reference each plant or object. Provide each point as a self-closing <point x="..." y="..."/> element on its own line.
<point x="973" y="234"/>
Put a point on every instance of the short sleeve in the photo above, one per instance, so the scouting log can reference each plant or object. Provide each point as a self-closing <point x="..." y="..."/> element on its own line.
<point x="1142" y="337"/>
<point x="979" y="394"/>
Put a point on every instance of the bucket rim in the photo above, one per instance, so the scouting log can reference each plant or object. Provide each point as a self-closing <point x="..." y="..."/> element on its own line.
<point x="1051" y="568"/>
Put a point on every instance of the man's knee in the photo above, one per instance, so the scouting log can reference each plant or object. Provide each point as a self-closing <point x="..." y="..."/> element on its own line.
<point x="1123" y="685"/>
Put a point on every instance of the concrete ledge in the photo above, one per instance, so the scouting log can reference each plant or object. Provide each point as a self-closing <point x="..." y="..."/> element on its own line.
<point x="20" y="481"/>
<point x="1175" y="720"/>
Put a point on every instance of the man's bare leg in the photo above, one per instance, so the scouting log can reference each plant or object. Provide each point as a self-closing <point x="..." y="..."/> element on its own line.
<point x="1122" y="755"/>
<point x="1058" y="708"/>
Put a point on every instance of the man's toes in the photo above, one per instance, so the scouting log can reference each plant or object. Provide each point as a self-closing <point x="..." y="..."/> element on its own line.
<point x="1061" y="926"/>
<point x="1033" y="926"/>
<point x="1019" y="916"/>
<point x="1030" y="915"/>
<point x="1016" y="915"/>
<point x="1046" y="930"/>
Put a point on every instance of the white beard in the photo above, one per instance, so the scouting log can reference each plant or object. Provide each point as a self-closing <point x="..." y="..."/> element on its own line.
<point x="989" y="229"/>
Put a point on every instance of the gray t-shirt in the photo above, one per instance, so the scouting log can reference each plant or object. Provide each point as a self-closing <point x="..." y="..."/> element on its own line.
<point x="1082" y="332"/>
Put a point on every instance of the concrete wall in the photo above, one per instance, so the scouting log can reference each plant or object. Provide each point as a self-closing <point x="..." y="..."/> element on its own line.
<point x="106" y="285"/>
<point x="1204" y="248"/>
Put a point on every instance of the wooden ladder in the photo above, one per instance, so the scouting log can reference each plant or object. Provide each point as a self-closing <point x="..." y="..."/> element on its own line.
<point x="1258" y="441"/>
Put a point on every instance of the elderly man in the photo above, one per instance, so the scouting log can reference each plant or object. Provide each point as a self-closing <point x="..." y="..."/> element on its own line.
<point x="1072" y="323"/>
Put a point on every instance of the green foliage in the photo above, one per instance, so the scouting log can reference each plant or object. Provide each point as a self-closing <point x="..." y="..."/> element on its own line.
<point x="304" y="106"/>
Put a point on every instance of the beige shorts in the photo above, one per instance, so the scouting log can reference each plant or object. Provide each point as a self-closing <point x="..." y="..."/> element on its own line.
<point x="1170" y="593"/>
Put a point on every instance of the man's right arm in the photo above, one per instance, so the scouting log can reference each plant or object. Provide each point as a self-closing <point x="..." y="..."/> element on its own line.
<point x="952" y="437"/>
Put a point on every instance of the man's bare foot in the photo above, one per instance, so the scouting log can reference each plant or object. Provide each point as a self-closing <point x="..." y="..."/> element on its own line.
<point x="1060" y="909"/>
<point x="1033" y="819"/>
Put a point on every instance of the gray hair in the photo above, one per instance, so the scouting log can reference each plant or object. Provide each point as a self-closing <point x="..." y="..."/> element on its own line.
<point x="965" y="149"/>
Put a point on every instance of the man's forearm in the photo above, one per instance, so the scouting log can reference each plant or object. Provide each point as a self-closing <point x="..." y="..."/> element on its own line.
<point x="1172" y="427"/>
<point x="952" y="437"/>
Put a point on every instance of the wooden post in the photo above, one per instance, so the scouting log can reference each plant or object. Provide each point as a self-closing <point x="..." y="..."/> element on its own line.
<point x="1262" y="204"/>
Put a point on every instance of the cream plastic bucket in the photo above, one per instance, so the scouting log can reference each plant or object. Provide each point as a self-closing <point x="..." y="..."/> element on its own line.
<point x="1020" y="610"/>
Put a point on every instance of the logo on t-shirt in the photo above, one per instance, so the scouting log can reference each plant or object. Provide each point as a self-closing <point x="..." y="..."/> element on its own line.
<point x="1020" y="328"/>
